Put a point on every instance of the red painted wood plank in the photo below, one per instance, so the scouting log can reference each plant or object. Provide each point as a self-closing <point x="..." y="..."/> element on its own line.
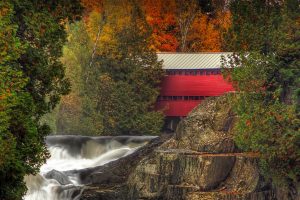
<point x="206" y="85"/>
<point x="187" y="85"/>
<point x="176" y="108"/>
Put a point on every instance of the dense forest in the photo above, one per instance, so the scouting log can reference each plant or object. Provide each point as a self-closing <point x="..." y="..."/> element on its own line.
<point x="168" y="26"/>
<point x="32" y="79"/>
<point x="265" y="71"/>
<point x="101" y="55"/>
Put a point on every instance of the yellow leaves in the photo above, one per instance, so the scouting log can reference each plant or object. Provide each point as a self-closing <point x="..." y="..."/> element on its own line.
<point x="2" y="96"/>
<point x="4" y="10"/>
<point x="107" y="42"/>
<point x="71" y="100"/>
<point x="5" y="93"/>
<point x="206" y="33"/>
<point x="92" y="24"/>
<point x="118" y="13"/>
<point x="112" y="22"/>
<point x="106" y="38"/>
<point x="112" y="121"/>
<point x="92" y="5"/>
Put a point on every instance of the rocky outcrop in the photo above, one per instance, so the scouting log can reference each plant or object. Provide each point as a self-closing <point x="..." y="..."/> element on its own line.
<point x="58" y="176"/>
<point x="199" y="162"/>
<point x="190" y="175"/>
<point x="206" y="129"/>
<point x="117" y="172"/>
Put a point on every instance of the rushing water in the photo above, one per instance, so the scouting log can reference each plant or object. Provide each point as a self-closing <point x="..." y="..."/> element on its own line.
<point x="75" y="153"/>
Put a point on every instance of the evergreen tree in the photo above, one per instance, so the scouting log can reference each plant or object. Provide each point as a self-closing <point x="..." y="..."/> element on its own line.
<point x="123" y="82"/>
<point x="266" y="35"/>
<point x="31" y="81"/>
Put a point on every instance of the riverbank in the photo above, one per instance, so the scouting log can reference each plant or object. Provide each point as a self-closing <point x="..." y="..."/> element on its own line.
<point x="59" y="178"/>
<point x="200" y="161"/>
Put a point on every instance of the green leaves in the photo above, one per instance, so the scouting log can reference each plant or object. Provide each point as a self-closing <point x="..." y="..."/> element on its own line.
<point x="31" y="81"/>
<point x="134" y="73"/>
<point x="118" y="91"/>
<point x="267" y="80"/>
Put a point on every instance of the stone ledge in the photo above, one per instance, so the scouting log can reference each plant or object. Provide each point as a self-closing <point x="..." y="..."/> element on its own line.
<point x="198" y="153"/>
<point x="230" y="195"/>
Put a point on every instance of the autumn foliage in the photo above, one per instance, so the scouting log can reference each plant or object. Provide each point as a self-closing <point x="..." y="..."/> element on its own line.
<point x="205" y="33"/>
<point x="161" y="17"/>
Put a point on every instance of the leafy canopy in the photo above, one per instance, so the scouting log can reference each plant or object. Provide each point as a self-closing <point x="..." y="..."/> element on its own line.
<point x="130" y="72"/>
<point x="31" y="81"/>
<point x="266" y="36"/>
<point x="118" y="89"/>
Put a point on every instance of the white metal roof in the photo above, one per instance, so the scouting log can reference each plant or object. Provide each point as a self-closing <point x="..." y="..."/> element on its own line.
<point x="191" y="60"/>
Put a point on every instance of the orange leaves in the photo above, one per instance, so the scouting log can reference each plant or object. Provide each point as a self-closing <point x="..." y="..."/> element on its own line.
<point x="164" y="42"/>
<point x="4" y="10"/>
<point x="42" y="30"/>
<point x="92" y="5"/>
<point x="2" y="96"/>
<point x="5" y="93"/>
<point x="161" y="17"/>
<point x="248" y="123"/>
<point x="205" y="34"/>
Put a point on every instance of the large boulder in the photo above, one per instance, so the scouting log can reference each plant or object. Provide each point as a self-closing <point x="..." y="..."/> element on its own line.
<point x="58" y="176"/>
<point x="207" y="128"/>
<point x="154" y="177"/>
<point x="199" y="162"/>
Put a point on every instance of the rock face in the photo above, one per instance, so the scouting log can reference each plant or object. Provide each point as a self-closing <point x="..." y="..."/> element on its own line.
<point x="199" y="162"/>
<point x="58" y="176"/>
<point x="207" y="128"/>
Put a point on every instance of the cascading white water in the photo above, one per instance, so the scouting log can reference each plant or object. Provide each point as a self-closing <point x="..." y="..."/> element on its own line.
<point x="75" y="153"/>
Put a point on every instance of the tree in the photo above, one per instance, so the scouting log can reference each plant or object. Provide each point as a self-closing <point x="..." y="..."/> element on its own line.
<point x="92" y="5"/>
<point x="198" y="25"/>
<point x="268" y="81"/>
<point x="31" y="81"/>
<point x="76" y="54"/>
<point x="186" y="12"/>
<point x="123" y="82"/>
<point x="201" y="24"/>
<point x="161" y="17"/>
<point x="206" y="33"/>
<point x="255" y="22"/>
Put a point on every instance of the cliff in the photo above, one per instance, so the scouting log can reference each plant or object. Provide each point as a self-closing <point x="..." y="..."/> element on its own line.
<point x="200" y="161"/>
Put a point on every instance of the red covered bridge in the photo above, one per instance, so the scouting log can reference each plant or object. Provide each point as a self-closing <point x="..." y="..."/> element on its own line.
<point x="191" y="77"/>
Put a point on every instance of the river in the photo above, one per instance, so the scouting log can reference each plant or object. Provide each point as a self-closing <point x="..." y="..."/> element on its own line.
<point x="58" y="179"/>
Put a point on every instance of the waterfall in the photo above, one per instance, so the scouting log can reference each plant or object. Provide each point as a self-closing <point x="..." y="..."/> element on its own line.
<point x="57" y="181"/>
